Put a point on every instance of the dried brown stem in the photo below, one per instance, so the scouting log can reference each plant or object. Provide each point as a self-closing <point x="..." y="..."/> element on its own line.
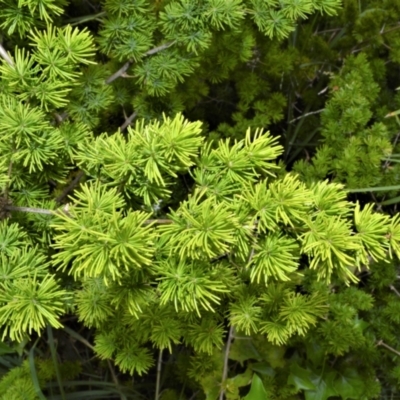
<point x="386" y="346"/>
<point x="125" y="67"/>
<point x="128" y="121"/>
<point x="70" y="187"/>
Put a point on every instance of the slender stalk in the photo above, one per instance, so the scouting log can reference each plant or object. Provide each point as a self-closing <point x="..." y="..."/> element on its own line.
<point x="159" y="367"/>
<point x="30" y="209"/>
<point x="226" y="359"/>
<point x="159" y="48"/>
<point x="85" y="18"/>
<point x="114" y="378"/>
<point x="159" y="221"/>
<point x="306" y="115"/>
<point x="128" y="121"/>
<point x="55" y="362"/>
<point x="4" y="54"/>
<point x="78" y="177"/>
<point x="125" y="67"/>
<point x="386" y="346"/>
<point x="119" y="73"/>
<point x="78" y="337"/>
<point x="65" y="210"/>
<point x="393" y="289"/>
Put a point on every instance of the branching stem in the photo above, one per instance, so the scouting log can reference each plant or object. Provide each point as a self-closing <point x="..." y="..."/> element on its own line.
<point x="78" y="177"/>
<point x="128" y="121"/>
<point x="306" y="115"/>
<point x="125" y="67"/>
<point x="386" y="346"/>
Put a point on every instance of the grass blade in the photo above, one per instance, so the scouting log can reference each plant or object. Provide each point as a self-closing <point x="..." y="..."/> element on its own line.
<point x="54" y="357"/>
<point x="35" y="379"/>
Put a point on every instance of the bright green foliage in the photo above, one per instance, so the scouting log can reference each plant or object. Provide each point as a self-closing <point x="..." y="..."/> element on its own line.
<point x="157" y="282"/>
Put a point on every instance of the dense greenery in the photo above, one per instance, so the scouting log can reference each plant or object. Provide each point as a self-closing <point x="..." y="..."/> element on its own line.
<point x="199" y="199"/>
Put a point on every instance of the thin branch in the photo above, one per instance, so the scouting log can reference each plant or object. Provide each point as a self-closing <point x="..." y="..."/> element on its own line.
<point x="114" y="378"/>
<point x="61" y="117"/>
<point x="382" y="343"/>
<point x="393" y="289"/>
<point x="159" y="48"/>
<point x="226" y="359"/>
<point x="85" y="18"/>
<point x="78" y="337"/>
<point x="119" y="73"/>
<point x="30" y="209"/>
<point x="65" y="210"/>
<point x="306" y="115"/>
<point x="125" y="67"/>
<point x="4" y="54"/>
<point x="159" y="221"/>
<point x="71" y="186"/>
<point x="327" y="31"/>
<point x="128" y="121"/>
<point x="194" y="395"/>
<point x="159" y="365"/>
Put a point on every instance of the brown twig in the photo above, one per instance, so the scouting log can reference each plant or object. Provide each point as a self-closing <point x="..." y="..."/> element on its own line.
<point x="4" y="54"/>
<point x="386" y="346"/>
<point x="119" y="73"/>
<point x="125" y="67"/>
<point x="394" y="290"/>
<point x="71" y="186"/>
<point x="128" y="121"/>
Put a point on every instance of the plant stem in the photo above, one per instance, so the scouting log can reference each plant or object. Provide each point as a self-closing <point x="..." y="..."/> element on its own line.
<point x="114" y="378"/>
<point x="85" y="18"/>
<point x="78" y="337"/>
<point x="393" y="289"/>
<point x="128" y="121"/>
<point x="382" y="343"/>
<point x="70" y="187"/>
<point x="55" y="362"/>
<point x="30" y="209"/>
<point x="4" y="54"/>
<point x="159" y="366"/>
<point x="64" y="209"/>
<point x="119" y="73"/>
<point x="226" y="359"/>
<point x="306" y="115"/>
<point x="125" y="67"/>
